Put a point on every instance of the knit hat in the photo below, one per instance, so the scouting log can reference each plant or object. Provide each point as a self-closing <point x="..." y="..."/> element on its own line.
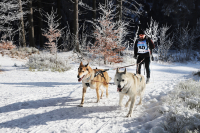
<point x="140" y="32"/>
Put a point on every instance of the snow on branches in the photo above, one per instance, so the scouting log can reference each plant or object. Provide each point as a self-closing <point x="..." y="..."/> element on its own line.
<point x="109" y="35"/>
<point x="52" y="33"/>
<point x="6" y="45"/>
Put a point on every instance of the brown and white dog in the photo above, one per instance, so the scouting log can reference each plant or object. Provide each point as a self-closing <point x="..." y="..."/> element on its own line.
<point x="89" y="79"/>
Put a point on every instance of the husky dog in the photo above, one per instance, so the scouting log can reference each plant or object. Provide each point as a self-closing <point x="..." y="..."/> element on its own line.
<point x="129" y="84"/>
<point x="90" y="79"/>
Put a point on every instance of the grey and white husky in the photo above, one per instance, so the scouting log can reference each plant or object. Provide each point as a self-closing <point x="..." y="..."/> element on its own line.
<point x="129" y="84"/>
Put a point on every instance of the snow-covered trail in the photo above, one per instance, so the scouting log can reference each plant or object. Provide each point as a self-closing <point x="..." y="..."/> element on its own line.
<point x="47" y="102"/>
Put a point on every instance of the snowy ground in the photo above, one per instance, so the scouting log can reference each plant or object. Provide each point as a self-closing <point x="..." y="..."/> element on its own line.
<point x="47" y="102"/>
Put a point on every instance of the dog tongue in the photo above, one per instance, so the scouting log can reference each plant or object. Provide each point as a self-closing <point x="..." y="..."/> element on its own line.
<point x="79" y="80"/>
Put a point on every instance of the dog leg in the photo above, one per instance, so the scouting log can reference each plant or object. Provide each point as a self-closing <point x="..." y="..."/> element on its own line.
<point x="83" y="97"/>
<point x="121" y="96"/>
<point x="101" y="93"/>
<point x="140" y="102"/>
<point x="131" y="107"/>
<point x="97" y="91"/>
<point x="141" y="96"/>
<point x="128" y="102"/>
<point x="107" y="91"/>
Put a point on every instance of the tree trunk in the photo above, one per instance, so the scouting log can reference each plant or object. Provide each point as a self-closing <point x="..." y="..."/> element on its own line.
<point x="94" y="17"/>
<point x="22" y="25"/>
<point x="41" y="37"/>
<point x="94" y="8"/>
<point x="196" y="10"/>
<point x="76" y="25"/>
<point x="31" y="27"/>
<point x="59" y="16"/>
<point x="120" y="9"/>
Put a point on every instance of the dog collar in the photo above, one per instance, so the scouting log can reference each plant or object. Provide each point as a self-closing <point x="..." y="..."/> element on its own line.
<point x="88" y="78"/>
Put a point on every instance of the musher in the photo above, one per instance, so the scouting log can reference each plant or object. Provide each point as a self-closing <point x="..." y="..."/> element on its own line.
<point x="143" y="52"/>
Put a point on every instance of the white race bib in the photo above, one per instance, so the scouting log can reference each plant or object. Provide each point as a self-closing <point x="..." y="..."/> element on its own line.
<point x="142" y="47"/>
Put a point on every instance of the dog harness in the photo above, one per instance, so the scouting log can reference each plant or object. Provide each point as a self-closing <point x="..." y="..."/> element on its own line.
<point x="87" y="84"/>
<point x="138" y="77"/>
<point x="96" y="74"/>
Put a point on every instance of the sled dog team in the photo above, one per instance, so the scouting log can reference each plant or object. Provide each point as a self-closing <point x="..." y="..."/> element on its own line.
<point x="127" y="84"/>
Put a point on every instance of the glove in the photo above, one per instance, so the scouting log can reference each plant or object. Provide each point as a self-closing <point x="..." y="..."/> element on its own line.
<point x="152" y="58"/>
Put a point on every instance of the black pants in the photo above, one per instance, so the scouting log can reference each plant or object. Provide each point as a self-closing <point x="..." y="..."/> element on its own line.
<point x="146" y="62"/>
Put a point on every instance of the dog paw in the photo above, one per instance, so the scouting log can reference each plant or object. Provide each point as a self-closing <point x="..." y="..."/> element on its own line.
<point x="81" y="105"/>
<point x="120" y="105"/>
<point x="128" y="115"/>
<point x="126" y="105"/>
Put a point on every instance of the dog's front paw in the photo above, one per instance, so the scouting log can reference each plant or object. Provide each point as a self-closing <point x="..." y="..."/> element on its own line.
<point x="126" y="105"/>
<point x="81" y="105"/>
<point x="128" y="115"/>
<point x="120" y="105"/>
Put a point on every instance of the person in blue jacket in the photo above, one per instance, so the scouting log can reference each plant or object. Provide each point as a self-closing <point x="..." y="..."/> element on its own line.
<point x="143" y="53"/>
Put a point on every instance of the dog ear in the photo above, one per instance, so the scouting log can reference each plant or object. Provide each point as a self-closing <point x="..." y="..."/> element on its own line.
<point x="125" y="71"/>
<point x="81" y="63"/>
<point x="117" y="71"/>
<point x="87" y="65"/>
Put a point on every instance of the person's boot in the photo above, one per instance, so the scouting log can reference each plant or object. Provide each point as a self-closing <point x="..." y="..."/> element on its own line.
<point x="147" y="81"/>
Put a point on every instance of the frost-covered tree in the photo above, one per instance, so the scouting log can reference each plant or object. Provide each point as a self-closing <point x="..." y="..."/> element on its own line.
<point x="165" y="43"/>
<point x="160" y="37"/>
<point x="109" y="35"/>
<point x="52" y="33"/>
<point x="10" y="11"/>
<point x="153" y="30"/>
<point x="128" y="8"/>
<point x="185" y="38"/>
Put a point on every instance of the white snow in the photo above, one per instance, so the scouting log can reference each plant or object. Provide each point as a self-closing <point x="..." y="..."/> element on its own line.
<point x="47" y="102"/>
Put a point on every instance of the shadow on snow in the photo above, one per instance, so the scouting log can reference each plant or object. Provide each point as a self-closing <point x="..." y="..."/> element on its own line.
<point x="70" y="112"/>
<point x="41" y="84"/>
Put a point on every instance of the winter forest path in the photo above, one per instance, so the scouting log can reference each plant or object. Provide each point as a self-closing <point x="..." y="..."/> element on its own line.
<point x="48" y="101"/>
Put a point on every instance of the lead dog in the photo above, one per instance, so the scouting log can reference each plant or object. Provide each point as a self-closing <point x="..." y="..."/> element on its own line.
<point x="129" y="84"/>
<point x="89" y="79"/>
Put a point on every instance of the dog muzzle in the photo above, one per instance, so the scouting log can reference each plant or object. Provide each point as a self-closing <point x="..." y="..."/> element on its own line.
<point x="80" y="79"/>
<point x="119" y="89"/>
